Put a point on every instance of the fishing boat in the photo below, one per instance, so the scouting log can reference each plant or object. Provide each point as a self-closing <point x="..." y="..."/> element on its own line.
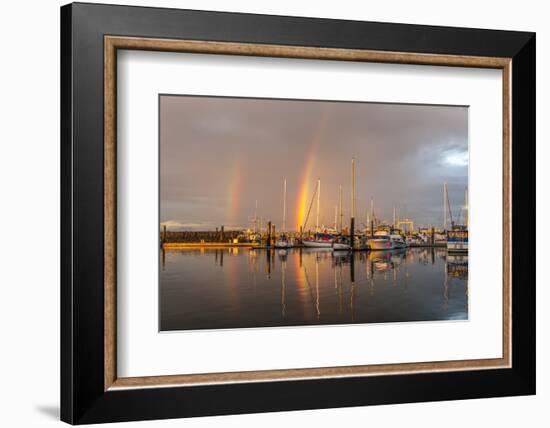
<point x="457" y="237"/>
<point x="319" y="240"/>
<point x="416" y="240"/>
<point x="457" y="240"/>
<point x="381" y="241"/>
<point x="398" y="241"/>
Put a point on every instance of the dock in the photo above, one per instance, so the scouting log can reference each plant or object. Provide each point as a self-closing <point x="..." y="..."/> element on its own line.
<point x="181" y="245"/>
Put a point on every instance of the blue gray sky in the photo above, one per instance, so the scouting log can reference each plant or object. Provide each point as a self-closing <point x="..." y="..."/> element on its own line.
<point x="218" y="156"/>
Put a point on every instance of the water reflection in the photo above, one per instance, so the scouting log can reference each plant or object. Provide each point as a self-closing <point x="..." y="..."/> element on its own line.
<point x="239" y="287"/>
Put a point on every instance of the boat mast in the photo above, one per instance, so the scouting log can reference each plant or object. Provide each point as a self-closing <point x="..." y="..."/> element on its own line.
<point x="394" y="216"/>
<point x="444" y="205"/>
<point x="336" y="217"/>
<point x="309" y="209"/>
<point x="446" y="196"/>
<point x="256" y="218"/>
<point x="371" y="215"/>
<point x="466" y="206"/>
<point x="284" y="207"/>
<point x="341" y="211"/>
<point x="318" y="203"/>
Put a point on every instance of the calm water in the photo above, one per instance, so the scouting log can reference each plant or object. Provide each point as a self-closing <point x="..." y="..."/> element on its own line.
<point x="240" y="287"/>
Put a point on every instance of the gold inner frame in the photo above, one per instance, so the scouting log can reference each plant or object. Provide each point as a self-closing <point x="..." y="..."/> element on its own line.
<point x="113" y="43"/>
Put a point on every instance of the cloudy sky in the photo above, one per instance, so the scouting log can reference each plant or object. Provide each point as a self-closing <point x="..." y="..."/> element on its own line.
<point x="218" y="156"/>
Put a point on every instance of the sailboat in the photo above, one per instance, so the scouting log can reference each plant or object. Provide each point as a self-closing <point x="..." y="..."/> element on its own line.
<point x="342" y="243"/>
<point x="319" y="240"/>
<point x="283" y="241"/>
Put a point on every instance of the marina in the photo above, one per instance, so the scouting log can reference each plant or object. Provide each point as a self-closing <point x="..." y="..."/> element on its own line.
<point x="376" y="235"/>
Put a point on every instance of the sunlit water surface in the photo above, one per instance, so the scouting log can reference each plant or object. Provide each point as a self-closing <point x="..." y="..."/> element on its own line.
<point x="243" y="287"/>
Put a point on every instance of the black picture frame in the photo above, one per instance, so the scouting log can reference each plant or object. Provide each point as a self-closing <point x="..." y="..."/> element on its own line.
<point x="83" y="398"/>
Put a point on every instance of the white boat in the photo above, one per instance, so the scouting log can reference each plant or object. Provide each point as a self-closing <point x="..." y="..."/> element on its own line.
<point x="381" y="241"/>
<point x="319" y="240"/>
<point x="316" y="244"/>
<point x="283" y="242"/>
<point x="340" y="245"/>
<point x="398" y="241"/>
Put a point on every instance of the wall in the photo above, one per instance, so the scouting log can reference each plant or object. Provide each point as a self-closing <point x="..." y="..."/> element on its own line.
<point x="29" y="165"/>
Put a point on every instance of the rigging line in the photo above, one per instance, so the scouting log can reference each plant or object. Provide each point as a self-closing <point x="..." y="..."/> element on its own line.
<point x="309" y="210"/>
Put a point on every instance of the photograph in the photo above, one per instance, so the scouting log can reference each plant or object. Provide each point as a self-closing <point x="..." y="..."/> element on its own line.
<point x="269" y="210"/>
<point x="292" y="212"/>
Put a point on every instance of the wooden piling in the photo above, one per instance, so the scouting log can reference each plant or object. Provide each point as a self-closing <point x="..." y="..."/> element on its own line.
<point x="268" y="237"/>
<point x="353" y="208"/>
<point x="433" y="235"/>
<point x="352" y="233"/>
<point x="222" y="235"/>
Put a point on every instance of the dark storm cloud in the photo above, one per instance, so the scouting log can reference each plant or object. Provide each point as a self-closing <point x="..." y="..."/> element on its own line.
<point x="220" y="155"/>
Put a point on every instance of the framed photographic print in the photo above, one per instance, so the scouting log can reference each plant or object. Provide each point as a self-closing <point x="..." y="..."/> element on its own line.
<point x="265" y="213"/>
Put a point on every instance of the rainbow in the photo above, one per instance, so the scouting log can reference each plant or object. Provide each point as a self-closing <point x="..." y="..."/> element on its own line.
<point x="234" y="192"/>
<point x="303" y="194"/>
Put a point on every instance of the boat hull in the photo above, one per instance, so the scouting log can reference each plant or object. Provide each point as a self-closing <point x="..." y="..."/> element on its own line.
<point x="399" y="246"/>
<point x="317" y="244"/>
<point x="380" y="244"/>
<point x="283" y="244"/>
<point x="341" y="247"/>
